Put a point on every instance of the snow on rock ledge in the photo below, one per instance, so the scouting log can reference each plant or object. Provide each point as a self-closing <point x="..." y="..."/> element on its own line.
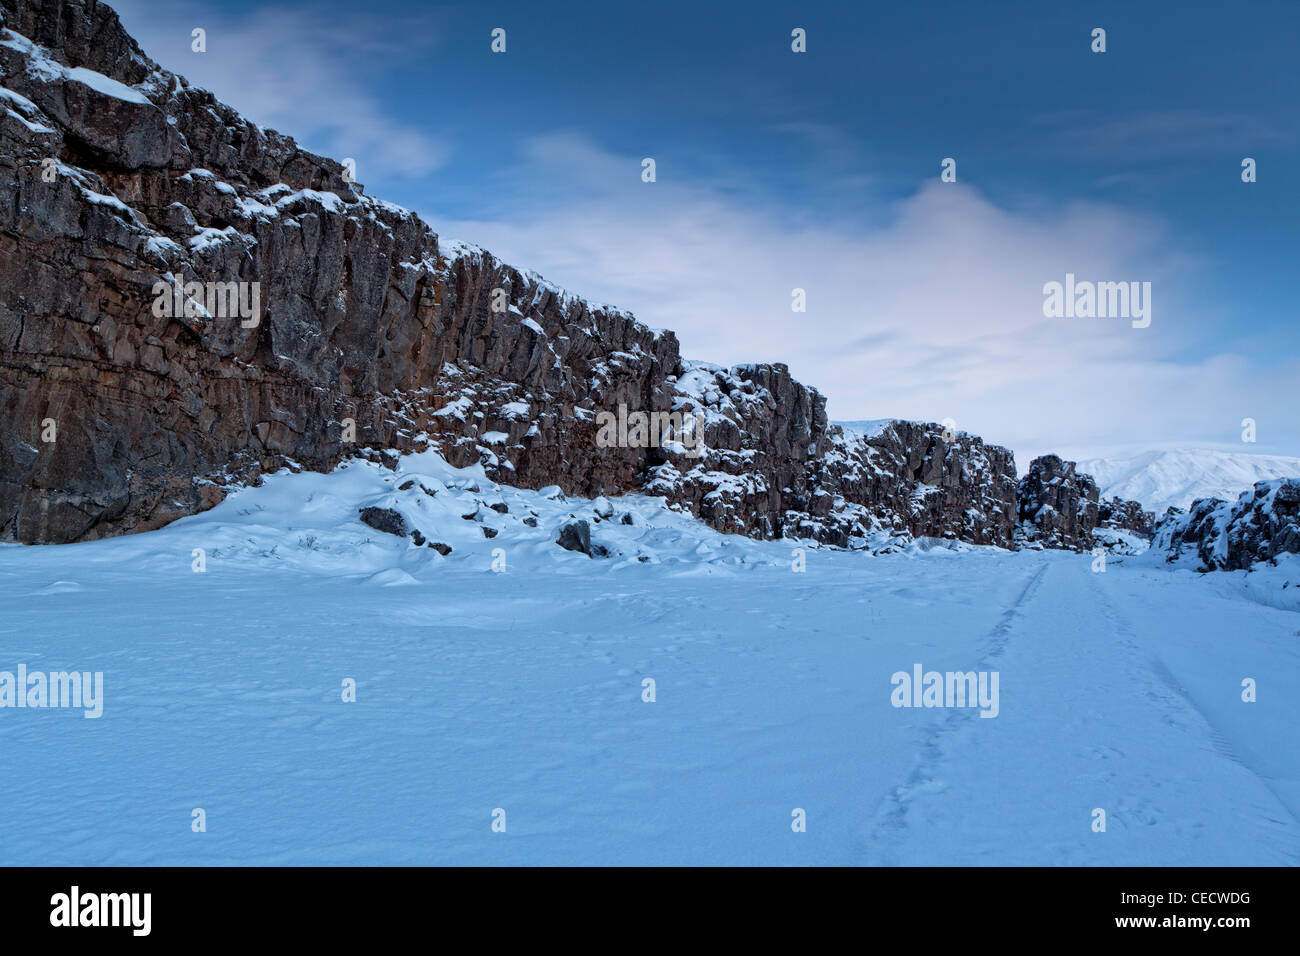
<point x="1217" y="535"/>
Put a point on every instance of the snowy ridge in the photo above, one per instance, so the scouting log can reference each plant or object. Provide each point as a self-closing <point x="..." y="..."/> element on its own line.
<point x="1177" y="477"/>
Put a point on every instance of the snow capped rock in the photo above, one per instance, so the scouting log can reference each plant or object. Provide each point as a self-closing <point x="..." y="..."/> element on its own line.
<point x="1217" y="535"/>
<point x="44" y="67"/>
<point x="1058" y="504"/>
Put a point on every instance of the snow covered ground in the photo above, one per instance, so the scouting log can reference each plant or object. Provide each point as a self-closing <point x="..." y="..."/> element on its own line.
<point x="522" y="689"/>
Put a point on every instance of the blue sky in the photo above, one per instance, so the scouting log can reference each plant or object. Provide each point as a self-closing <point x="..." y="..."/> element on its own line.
<point x="820" y="171"/>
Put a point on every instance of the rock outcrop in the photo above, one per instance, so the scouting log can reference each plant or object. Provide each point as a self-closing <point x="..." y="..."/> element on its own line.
<point x="1058" y="506"/>
<point x="188" y="300"/>
<point x="1218" y="535"/>
<point x="774" y="466"/>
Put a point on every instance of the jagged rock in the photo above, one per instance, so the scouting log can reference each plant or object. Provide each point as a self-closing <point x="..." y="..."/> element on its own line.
<point x="442" y="549"/>
<point x="500" y="507"/>
<point x="417" y="537"/>
<point x="1125" y="515"/>
<point x="386" y="520"/>
<point x="1058" y="506"/>
<point x="773" y="465"/>
<point x="602" y="507"/>
<point x="575" y="536"/>
<point x="489" y="532"/>
<point x="1229" y="536"/>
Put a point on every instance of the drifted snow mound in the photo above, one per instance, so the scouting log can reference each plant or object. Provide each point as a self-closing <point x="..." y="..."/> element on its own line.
<point x="418" y="517"/>
<point x="389" y="527"/>
<point x="1217" y="535"/>
<point x="1176" y="478"/>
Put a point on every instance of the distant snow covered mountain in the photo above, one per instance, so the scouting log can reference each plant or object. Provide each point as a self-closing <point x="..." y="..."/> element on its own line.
<point x="1177" y="477"/>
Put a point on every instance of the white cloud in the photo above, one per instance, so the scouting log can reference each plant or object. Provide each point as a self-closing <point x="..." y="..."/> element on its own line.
<point x="937" y="314"/>
<point x="290" y="72"/>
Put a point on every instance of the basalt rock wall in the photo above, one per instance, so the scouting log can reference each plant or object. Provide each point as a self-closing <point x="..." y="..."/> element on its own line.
<point x="189" y="300"/>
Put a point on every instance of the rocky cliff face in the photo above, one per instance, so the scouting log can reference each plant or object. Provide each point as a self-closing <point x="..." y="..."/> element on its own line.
<point x="189" y="300"/>
<point x="117" y="176"/>
<point x="1217" y="535"/>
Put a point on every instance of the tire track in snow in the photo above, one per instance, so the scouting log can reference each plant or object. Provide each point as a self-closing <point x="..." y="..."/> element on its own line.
<point x="892" y="817"/>
<point x="1164" y="687"/>
<point x="1001" y="633"/>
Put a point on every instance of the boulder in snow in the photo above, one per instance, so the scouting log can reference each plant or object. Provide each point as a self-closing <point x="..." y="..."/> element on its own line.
<point x="386" y="520"/>
<point x="575" y="536"/>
